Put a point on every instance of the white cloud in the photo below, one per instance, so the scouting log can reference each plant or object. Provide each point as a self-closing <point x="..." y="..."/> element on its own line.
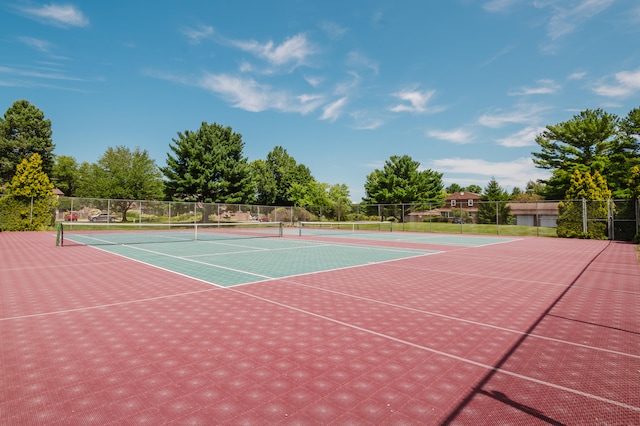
<point x="508" y="173"/>
<point x="498" y="5"/>
<point x="544" y="87"/>
<point x="37" y="44"/>
<point x="360" y="60"/>
<point x="627" y="84"/>
<point x="252" y="96"/>
<point x="415" y="101"/>
<point x="566" y="20"/>
<point x="524" y="114"/>
<point x="459" y="136"/>
<point x="198" y="33"/>
<point x="577" y="75"/>
<point x="333" y="30"/>
<point x="294" y="50"/>
<point x="313" y="81"/>
<point x="37" y="74"/>
<point x="364" y="121"/>
<point x="59" y="15"/>
<point x="497" y="56"/>
<point x="332" y="111"/>
<point x="524" y="137"/>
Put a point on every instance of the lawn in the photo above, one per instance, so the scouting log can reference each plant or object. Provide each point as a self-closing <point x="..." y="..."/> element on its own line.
<point x="470" y="228"/>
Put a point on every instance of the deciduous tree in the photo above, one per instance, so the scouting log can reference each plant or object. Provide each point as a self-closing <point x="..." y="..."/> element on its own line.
<point x="65" y="174"/>
<point x="122" y="175"/>
<point x="587" y="202"/>
<point x="30" y="202"/>
<point x="274" y="178"/>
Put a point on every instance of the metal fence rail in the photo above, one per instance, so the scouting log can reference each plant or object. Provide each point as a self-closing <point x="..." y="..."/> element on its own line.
<point x="620" y="219"/>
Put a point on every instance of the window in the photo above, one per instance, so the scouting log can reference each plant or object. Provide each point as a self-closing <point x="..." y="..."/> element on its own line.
<point x="453" y="203"/>
<point x="470" y="203"/>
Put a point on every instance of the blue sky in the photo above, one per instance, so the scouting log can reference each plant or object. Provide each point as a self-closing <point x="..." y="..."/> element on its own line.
<point x="461" y="86"/>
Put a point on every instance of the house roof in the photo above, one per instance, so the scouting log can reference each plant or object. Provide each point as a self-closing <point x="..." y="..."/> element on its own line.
<point x="533" y="208"/>
<point x="463" y="195"/>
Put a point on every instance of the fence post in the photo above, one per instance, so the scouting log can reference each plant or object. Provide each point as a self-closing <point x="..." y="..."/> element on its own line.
<point x="610" y="220"/>
<point x="584" y="216"/>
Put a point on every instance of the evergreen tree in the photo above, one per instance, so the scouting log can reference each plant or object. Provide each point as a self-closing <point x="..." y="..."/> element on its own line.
<point x="402" y="182"/>
<point x="585" y="140"/>
<point x="208" y="166"/>
<point x="634" y="183"/>
<point x="493" y="207"/>
<point x="24" y="131"/>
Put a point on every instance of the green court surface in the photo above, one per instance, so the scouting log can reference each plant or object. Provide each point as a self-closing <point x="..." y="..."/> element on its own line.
<point x="408" y="237"/>
<point x="234" y="262"/>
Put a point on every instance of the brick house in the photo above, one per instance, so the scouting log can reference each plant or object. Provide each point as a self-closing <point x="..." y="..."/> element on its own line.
<point x="464" y="201"/>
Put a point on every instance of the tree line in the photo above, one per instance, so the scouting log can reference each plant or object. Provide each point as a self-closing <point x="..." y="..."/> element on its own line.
<point x="208" y="165"/>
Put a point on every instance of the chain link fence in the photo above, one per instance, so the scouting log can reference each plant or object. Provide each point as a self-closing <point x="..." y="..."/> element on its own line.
<point x="612" y="219"/>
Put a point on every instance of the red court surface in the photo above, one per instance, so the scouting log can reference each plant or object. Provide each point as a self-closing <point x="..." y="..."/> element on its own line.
<point x="534" y="331"/>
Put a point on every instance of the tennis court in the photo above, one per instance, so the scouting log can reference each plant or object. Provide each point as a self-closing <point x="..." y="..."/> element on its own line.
<point x="345" y="328"/>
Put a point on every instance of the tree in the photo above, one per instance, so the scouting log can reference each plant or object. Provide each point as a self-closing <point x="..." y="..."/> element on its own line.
<point x="476" y="189"/>
<point x="65" y="174"/>
<point x="208" y="166"/>
<point x="30" y="202"/>
<point x="274" y="178"/>
<point x="624" y="155"/>
<point x="583" y="140"/>
<point x="340" y="202"/>
<point x="123" y="176"/>
<point x="453" y="188"/>
<point x="586" y="203"/>
<point x="402" y="181"/>
<point x="493" y="207"/>
<point x="24" y="131"/>
<point x="634" y="183"/>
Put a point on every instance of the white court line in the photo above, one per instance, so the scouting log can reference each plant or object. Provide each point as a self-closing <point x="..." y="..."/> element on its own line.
<point x="456" y="357"/>
<point x="192" y="261"/>
<point x="109" y="305"/>
<point x="481" y="324"/>
<point x="448" y="355"/>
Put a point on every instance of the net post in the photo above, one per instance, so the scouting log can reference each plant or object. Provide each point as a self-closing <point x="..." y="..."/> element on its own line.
<point x="281" y="230"/>
<point x="59" y="235"/>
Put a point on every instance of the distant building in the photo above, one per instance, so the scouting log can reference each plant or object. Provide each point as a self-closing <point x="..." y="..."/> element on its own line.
<point x="465" y="204"/>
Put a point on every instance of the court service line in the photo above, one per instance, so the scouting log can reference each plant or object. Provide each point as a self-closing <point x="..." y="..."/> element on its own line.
<point x="481" y="324"/>
<point x="448" y="355"/>
<point x="110" y="305"/>
<point x="194" y="261"/>
<point x="316" y="246"/>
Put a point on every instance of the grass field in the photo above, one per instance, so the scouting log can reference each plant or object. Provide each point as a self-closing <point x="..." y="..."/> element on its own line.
<point x="470" y="228"/>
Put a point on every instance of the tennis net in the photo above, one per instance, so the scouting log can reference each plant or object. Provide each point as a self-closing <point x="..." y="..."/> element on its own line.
<point x="333" y="228"/>
<point x="79" y="233"/>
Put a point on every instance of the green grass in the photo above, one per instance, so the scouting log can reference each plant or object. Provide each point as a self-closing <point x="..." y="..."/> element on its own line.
<point x="470" y="228"/>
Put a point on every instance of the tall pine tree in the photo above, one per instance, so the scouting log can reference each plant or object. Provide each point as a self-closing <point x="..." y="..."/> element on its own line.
<point x="493" y="206"/>
<point x="208" y="166"/>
